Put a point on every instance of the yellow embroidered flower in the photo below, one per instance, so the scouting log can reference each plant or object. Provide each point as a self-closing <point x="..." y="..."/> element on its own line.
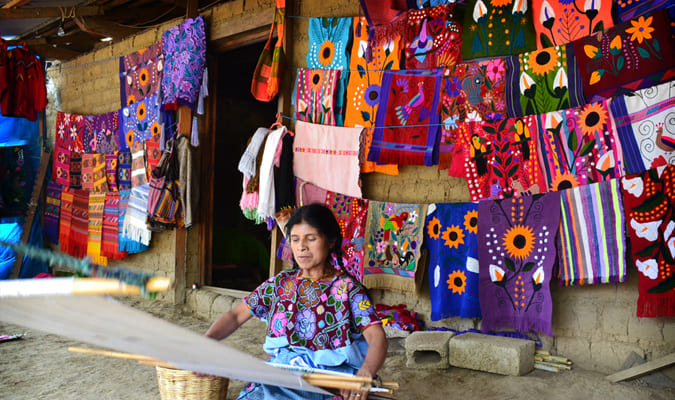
<point x="130" y="138"/>
<point x="131" y="99"/>
<point x="143" y="76"/>
<point x="543" y="61"/>
<point x="326" y="53"/>
<point x="591" y="51"/>
<point x="564" y="181"/>
<point x="453" y="236"/>
<point x="616" y="43"/>
<point x="471" y="221"/>
<point x="316" y="80"/>
<point x="141" y="112"/>
<point x="641" y="29"/>
<point x="519" y="241"/>
<point x="155" y="129"/>
<point x="592" y="118"/>
<point x="457" y="282"/>
<point x="500" y="3"/>
<point x="595" y="77"/>
<point x="434" y="228"/>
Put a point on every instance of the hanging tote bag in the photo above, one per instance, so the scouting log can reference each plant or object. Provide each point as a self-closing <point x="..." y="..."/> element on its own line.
<point x="164" y="206"/>
<point x="268" y="71"/>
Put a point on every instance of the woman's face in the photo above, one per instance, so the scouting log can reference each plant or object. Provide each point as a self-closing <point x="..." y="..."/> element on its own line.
<point x="310" y="249"/>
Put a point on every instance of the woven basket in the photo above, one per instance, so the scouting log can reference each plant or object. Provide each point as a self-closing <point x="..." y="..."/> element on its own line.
<point x="175" y="384"/>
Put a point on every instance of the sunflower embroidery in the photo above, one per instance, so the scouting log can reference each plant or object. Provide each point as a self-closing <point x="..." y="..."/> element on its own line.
<point x="143" y="76"/>
<point x="592" y="119"/>
<point x="453" y="236"/>
<point x="640" y="29"/>
<point x="434" y="228"/>
<point x="519" y="241"/>
<point x="131" y="99"/>
<point x="326" y="53"/>
<point x="130" y="138"/>
<point x="316" y="80"/>
<point x="155" y="129"/>
<point x="543" y="61"/>
<point x="457" y="282"/>
<point x="141" y="112"/>
<point x="564" y="181"/>
<point x="471" y="221"/>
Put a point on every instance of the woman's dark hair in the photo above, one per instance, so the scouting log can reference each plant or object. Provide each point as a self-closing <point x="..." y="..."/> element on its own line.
<point x="322" y="219"/>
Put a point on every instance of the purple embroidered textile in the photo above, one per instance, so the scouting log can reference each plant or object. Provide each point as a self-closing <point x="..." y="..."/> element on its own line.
<point x="140" y="74"/>
<point x="102" y="133"/>
<point x="516" y="254"/>
<point x="184" y="48"/>
<point x="139" y="122"/>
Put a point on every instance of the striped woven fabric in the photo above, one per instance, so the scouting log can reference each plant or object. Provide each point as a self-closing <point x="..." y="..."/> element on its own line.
<point x="95" y="228"/>
<point x="51" y="218"/>
<point x="110" y="236"/>
<point x="111" y="160"/>
<point x="88" y="171"/>
<point x="138" y="173"/>
<point x="79" y="228"/>
<point x="124" y="243"/>
<point x="135" y="227"/>
<point x="592" y="235"/>
<point x="65" y="220"/>
<point x="75" y="170"/>
<point x="124" y="170"/>
<point x="100" y="181"/>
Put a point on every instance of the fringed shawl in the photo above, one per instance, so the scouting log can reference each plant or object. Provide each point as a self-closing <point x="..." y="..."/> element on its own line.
<point x="138" y="173"/>
<point x="649" y="202"/>
<point x="61" y="171"/>
<point x="141" y="73"/>
<point x="65" y="222"/>
<point x="579" y="146"/>
<point x="543" y="80"/>
<point x="328" y="157"/>
<point x="127" y="244"/>
<point x="630" y="56"/>
<point x="79" y="228"/>
<point x="247" y="162"/>
<point x="315" y="95"/>
<point x="645" y="127"/>
<point x="516" y="255"/>
<point x="69" y="131"/>
<point x="559" y="22"/>
<point x="110" y="231"/>
<point x="266" y="194"/>
<point x="433" y="38"/>
<point x="407" y="123"/>
<point x="103" y="131"/>
<point x="135" y="227"/>
<point x="394" y="233"/>
<point x="95" y="228"/>
<point x="52" y="211"/>
<point x="450" y="237"/>
<point x="592" y="243"/>
<point x="351" y="213"/>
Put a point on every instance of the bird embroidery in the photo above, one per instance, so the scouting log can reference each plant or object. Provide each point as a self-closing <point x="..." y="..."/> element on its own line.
<point x="403" y="112"/>
<point x="523" y="136"/>
<point x="423" y="42"/>
<point x="394" y="223"/>
<point x="478" y="152"/>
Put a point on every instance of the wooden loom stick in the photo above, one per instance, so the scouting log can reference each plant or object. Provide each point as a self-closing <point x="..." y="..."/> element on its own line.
<point x="77" y="286"/>
<point x="359" y="379"/>
<point x="109" y="353"/>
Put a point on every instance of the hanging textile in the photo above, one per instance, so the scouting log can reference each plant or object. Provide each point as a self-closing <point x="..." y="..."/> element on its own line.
<point x="88" y="172"/>
<point x="124" y="170"/>
<point x="25" y="92"/>
<point x="543" y="80"/>
<point x="271" y="63"/>
<point x="433" y="38"/>
<point x="75" y="170"/>
<point x="110" y="230"/>
<point x="138" y="172"/>
<point x="386" y="19"/>
<point x="516" y="254"/>
<point x="140" y="121"/>
<point x="497" y="28"/>
<point x="471" y="91"/>
<point x="266" y="194"/>
<point x="104" y="132"/>
<point x="247" y="162"/>
<point x="79" y="227"/>
<point x="407" y="126"/>
<point x="645" y="127"/>
<point x="126" y="244"/>
<point x="284" y="180"/>
<point x="141" y="74"/>
<point x="184" y="50"/>
<point x="450" y="237"/>
<point x="351" y="213"/>
<point x="363" y="89"/>
<point x="95" y="228"/>
<point x="394" y="233"/>
<point x="328" y="157"/>
<point x="315" y="95"/>
<point x="307" y="193"/>
<point x="498" y="158"/>
<point x="61" y="165"/>
<point x="111" y="160"/>
<point x="630" y="56"/>
<point x="52" y="211"/>
<point x="627" y="10"/>
<point x="188" y="181"/>
<point x="579" y="146"/>
<point x="134" y="227"/>
<point x="152" y="153"/>
<point x="100" y="179"/>
<point x="558" y="22"/>
<point x="65" y="220"/>
<point x="592" y="243"/>
<point x="69" y="131"/>
<point x="649" y="201"/>
<point x="328" y="40"/>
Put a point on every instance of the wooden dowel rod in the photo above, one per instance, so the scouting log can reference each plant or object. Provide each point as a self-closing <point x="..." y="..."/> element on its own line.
<point x="543" y="367"/>
<point x="84" y="286"/>
<point x="327" y="383"/>
<point x="360" y="379"/>
<point x="108" y="353"/>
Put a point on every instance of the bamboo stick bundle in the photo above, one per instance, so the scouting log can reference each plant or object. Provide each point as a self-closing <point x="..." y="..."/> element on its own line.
<point x="556" y="359"/>
<point x="77" y="286"/>
<point x="555" y="365"/>
<point x="543" y="367"/>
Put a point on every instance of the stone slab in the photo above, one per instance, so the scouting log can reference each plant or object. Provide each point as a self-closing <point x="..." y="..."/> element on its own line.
<point x="495" y="354"/>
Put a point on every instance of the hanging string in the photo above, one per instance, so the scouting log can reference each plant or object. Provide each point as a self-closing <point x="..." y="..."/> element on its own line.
<point x="375" y="127"/>
<point x="85" y="267"/>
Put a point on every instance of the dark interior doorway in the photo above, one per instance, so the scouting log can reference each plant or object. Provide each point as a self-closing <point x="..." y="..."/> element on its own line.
<point x="240" y="247"/>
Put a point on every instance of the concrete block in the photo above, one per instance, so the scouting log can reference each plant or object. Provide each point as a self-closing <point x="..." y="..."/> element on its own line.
<point x="496" y="354"/>
<point x="427" y="350"/>
<point x="395" y="340"/>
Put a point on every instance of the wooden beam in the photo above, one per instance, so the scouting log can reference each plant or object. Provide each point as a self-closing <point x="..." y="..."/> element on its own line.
<point x="48" y="12"/>
<point x="103" y="28"/>
<point x="16" y="3"/>
<point x="242" y="23"/>
<point x="642" y="369"/>
<point x="54" y="53"/>
<point x="192" y="9"/>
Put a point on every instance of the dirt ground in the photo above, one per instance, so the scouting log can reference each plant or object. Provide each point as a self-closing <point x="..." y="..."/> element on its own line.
<point x="40" y="367"/>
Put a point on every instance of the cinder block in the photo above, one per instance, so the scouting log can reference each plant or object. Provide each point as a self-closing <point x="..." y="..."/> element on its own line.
<point x="427" y="350"/>
<point x="496" y="354"/>
<point x="395" y="340"/>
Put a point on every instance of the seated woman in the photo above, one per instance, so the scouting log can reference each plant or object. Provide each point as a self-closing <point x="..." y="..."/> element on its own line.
<point x="317" y="315"/>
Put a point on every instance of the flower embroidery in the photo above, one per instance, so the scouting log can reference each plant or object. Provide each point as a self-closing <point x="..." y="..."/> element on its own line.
<point x="519" y="241"/>
<point x="649" y="268"/>
<point x="633" y="186"/>
<point x="279" y="322"/>
<point x="471" y="221"/>
<point x="306" y="324"/>
<point x="647" y="230"/>
<point x="309" y="292"/>
<point x="592" y="118"/>
<point x="434" y="228"/>
<point x="564" y="181"/>
<point x="340" y="290"/>
<point x="543" y="61"/>
<point x="457" y="282"/>
<point x="453" y="236"/>
<point x="640" y="29"/>
<point x="496" y="273"/>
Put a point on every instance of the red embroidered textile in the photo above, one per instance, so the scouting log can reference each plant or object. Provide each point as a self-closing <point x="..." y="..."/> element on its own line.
<point x="433" y="38"/>
<point x="110" y="233"/>
<point x="25" y="93"/>
<point x="79" y="228"/>
<point x="351" y="213"/>
<point x="65" y="220"/>
<point x="70" y="131"/>
<point x="558" y="22"/>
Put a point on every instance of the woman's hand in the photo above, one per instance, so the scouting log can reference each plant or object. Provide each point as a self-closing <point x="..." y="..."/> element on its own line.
<point x="377" y="351"/>
<point x="357" y="394"/>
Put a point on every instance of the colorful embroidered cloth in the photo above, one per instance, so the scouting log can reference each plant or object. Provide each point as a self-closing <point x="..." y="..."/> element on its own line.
<point x="184" y="49"/>
<point x="543" y="80"/>
<point x="579" y="146"/>
<point x="592" y="239"/>
<point x="140" y="121"/>
<point x="124" y="170"/>
<point x="407" y="129"/>
<point x="88" y="172"/>
<point x="645" y="126"/>
<point x="433" y="38"/>
<point x="52" y="211"/>
<point x="328" y="157"/>
<point x="363" y="89"/>
<point x="126" y="244"/>
<point x="111" y="161"/>
<point x="75" y="170"/>
<point x="95" y="228"/>
<point x="61" y="171"/>
<point x="328" y="40"/>
<point x="134" y="227"/>
<point x="152" y="153"/>
<point x="627" y="10"/>
<point x="103" y="132"/>
<point x="100" y="179"/>
<point x="315" y="93"/>
<point x="65" y="220"/>
<point x="79" y="227"/>
<point x="630" y="56"/>
<point x="649" y="201"/>
<point x="497" y="28"/>
<point x="559" y="22"/>
<point x="69" y="131"/>
<point x="394" y="234"/>
<point x="141" y="74"/>
<point x="471" y="91"/>
<point x="498" y="158"/>
<point x="351" y="213"/>
<point x="138" y="172"/>
<point x="516" y="254"/>
<point x="450" y="236"/>
<point x="110" y="230"/>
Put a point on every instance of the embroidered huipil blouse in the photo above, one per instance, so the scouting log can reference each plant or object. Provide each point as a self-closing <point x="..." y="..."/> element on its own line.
<point x="321" y="319"/>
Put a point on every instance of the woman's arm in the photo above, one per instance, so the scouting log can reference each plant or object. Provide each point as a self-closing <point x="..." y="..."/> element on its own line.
<point x="377" y="351"/>
<point x="229" y="322"/>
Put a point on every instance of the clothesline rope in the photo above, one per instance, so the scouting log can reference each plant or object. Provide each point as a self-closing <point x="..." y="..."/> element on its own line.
<point x="375" y="127"/>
